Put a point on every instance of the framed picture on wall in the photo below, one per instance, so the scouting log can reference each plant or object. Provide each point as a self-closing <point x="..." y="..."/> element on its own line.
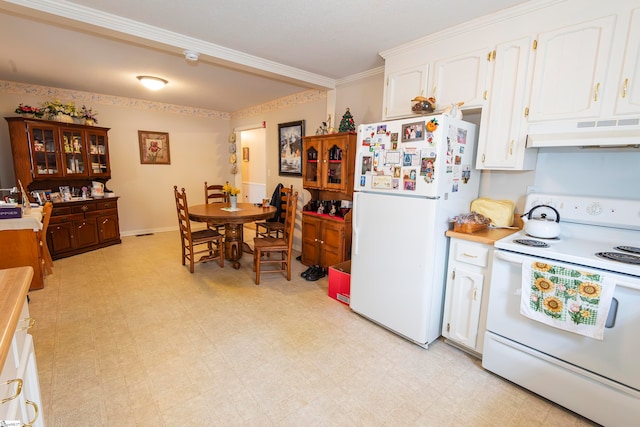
<point x="290" y="148"/>
<point x="154" y="148"/>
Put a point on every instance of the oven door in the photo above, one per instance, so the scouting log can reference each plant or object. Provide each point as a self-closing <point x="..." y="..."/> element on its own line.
<point x="614" y="358"/>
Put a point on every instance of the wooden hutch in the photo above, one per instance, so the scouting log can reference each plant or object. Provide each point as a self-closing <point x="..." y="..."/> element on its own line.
<point x="49" y="154"/>
<point x="327" y="173"/>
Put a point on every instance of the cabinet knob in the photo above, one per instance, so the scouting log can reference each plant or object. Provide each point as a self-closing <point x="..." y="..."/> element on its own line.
<point x="85" y="208"/>
<point x="625" y="87"/>
<point x="595" y="95"/>
<point x="18" y="381"/>
<point x="36" y="413"/>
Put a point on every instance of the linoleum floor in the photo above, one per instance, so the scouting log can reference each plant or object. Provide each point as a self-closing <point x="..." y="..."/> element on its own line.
<point x="126" y="336"/>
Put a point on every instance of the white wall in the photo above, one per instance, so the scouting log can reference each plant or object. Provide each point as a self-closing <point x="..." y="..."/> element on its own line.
<point x="197" y="141"/>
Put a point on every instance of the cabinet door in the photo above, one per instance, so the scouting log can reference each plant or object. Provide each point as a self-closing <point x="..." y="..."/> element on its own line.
<point x="335" y="155"/>
<point x="311" y="229"/>
<point x="461" y="79"/>
<point x="332" y="243"/>
<point x="628" y="99"/>
<point x="45" y="154"/>
<point x="312" y="165"/>
<point x="108" y="228"/>
<point x="60" y="237"/>
<point x="401" y="87"/>
<point x="73" y="152"/>
<point x="503" y="127"/>
<point x="570" y="70"/>
<point x="98" y="153"/>
<point x="86" y="232"/>
<point x="465" y="296"/>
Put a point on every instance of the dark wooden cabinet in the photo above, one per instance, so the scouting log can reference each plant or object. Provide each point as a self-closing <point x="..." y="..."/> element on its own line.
<point x="78" y="227"/>
<point x="49" y="154"/>
<point x="327" y="173"/>
<point x="328" y="162"/>
<point x="326" y="241"/>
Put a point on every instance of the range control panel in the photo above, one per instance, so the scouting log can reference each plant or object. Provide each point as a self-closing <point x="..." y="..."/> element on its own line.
<point x="603" y="211"/>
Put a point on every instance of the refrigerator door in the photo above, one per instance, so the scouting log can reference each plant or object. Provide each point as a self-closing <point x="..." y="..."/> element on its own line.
<point x="397" y="264"/>
<point x="428" y="156"/>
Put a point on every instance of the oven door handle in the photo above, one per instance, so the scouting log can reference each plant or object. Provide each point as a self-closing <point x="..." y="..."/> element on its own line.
<point x="505" y="257"/>
<point x="515" y="259"/>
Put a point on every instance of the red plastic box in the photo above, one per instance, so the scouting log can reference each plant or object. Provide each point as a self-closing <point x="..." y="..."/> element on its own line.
<point x="340" y="281"/>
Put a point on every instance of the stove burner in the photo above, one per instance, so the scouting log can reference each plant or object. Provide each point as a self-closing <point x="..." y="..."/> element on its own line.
<point x="630" y="249"/>
<point x="544" y="238"/>
<point x="530" y="242"/>
<point x="620" y="257"/>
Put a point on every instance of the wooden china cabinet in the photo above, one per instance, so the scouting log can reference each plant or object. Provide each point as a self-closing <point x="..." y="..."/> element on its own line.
<point x="327" y="173"/>
<point x="49" y="154"/>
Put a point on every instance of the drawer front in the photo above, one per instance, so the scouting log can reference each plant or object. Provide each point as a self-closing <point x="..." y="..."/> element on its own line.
<point x="66" y="218"/>
<point x="472" y="254"/>
<point x="60" y="211"/>
<point x="105" y="212"/>
<point x="85" y="207"/>
<point x="110" y="204"/>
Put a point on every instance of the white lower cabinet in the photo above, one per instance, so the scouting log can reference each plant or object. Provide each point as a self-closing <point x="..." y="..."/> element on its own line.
<point x="466" y="298"/>
<point x="19" y="385"/>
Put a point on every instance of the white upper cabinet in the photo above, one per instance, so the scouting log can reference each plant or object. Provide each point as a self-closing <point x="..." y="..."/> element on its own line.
<point x="461" y="78"/>
<point x="503" y="125"/>
<point x="628" y="99"/>
<point x="569" y="77"/>
<point x="401" y="87"/>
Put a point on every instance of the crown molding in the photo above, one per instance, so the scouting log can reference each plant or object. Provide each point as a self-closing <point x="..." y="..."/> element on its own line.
<point x="178" y="42"/>
<point x="360" y="76"/>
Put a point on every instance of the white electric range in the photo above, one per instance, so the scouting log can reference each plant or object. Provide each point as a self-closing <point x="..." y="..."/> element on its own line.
<point x="598" y="379"/>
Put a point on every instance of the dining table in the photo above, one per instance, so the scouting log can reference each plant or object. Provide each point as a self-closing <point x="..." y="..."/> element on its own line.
<point x="233" y="220"/>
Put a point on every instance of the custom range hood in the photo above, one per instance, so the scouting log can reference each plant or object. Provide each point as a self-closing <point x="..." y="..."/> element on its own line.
<point x="610" y="133"/>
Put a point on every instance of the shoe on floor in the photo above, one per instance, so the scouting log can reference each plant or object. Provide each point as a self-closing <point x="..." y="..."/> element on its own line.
<point x="318" y="273"/>
<point x="308" y="271"/>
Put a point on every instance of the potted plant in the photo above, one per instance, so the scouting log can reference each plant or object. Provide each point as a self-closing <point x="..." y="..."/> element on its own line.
<point x="56" y="110"/>
<point x="232" y="192"/>
<point x="88" y="116"/>
<point x="29" y="111"/>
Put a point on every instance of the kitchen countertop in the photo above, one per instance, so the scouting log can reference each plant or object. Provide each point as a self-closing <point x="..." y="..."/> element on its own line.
<point x="487" y="236"/>
<point x="14" y="285"/>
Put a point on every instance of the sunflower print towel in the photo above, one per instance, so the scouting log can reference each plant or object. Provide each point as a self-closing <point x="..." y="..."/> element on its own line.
<point x="577" y="301"/>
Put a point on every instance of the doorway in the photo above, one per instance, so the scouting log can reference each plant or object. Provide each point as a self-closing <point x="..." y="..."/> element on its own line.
<point x="253" y="165"/>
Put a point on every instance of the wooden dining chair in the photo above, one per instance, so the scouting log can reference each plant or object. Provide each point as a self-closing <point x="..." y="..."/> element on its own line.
<point x="282" y="246"/>
<point x="46" y="255"/>
<point x="190" y="241"/>
<point x="214" y="194"/>
<point x="275" y="226"/>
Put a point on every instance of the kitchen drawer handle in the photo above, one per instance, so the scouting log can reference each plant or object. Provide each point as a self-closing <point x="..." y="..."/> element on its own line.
<point x="469" y="256"/>
<point x="30" y="323"/>
<point x="35" y="415"/>
<point x="18" y="390"/>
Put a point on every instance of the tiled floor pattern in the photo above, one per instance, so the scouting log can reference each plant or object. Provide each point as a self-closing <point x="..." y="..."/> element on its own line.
<point x="126" y="336"/>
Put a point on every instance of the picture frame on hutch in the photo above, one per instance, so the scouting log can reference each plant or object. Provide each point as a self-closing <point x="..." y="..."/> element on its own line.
<point x="290" y="148"/>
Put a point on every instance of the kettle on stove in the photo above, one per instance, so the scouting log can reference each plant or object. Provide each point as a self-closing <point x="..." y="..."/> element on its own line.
<point x="542" y="227"/>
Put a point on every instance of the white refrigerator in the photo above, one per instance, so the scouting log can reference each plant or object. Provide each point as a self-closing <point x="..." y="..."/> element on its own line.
<point x="411" y="176"/>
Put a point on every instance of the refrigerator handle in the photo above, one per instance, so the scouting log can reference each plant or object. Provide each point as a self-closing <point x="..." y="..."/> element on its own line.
<point x="354" y="224"/>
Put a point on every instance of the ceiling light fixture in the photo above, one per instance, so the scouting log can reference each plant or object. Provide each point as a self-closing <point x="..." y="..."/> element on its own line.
<point x="190" y="55"/>
<point x="153" y="83"/>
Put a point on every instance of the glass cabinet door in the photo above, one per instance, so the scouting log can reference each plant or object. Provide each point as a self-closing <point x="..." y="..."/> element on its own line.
<point x="312" y="165"/>
<point x="44" y="149"/>
<point x="98" y="156"/>
<point x="73" y="156"/>
<point x="334" y="168"/>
